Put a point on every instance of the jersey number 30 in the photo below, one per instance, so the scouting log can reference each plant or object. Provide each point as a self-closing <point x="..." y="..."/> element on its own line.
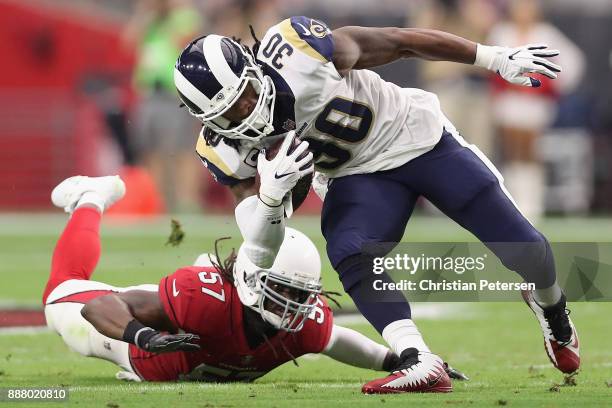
<point x="272" y="48"/>
<point x="346" y="121"/>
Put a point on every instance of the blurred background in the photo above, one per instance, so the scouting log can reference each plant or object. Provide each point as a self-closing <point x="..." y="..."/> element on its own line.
<point x="86" y="87"/>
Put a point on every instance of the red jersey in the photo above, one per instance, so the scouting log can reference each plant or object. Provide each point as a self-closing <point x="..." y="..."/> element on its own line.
<point x="199" y="300"/>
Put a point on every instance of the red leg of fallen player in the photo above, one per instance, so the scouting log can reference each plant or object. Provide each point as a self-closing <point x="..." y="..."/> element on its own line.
<point x="78" y="250"/>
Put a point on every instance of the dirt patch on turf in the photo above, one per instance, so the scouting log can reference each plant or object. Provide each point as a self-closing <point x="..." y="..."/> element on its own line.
<point x="21" y="318"/>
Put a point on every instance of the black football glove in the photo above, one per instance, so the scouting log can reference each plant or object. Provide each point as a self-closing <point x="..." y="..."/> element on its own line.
<point x="165" y="343"/>
<point x="151" y="340"/>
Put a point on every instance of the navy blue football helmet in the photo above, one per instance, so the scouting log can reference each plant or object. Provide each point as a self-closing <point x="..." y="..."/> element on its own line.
<point x="210" y="75"/>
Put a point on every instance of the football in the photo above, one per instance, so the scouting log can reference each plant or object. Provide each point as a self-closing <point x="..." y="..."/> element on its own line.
<point x="274" y="147"/>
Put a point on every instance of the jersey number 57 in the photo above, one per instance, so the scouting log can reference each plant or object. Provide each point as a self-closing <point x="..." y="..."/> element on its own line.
<point x="210" y="280"/>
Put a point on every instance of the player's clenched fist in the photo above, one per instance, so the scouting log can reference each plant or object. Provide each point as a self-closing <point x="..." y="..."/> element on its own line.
<point x="279" y="174"/>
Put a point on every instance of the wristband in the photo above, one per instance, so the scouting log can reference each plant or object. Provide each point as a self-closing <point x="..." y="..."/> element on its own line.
<point x="138" y="334"/>
<point x="485" y="55"/>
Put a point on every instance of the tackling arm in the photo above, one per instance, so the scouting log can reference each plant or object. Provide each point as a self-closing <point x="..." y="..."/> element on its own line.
<point x="353" y="348"/>
<point x="135" y="317"/>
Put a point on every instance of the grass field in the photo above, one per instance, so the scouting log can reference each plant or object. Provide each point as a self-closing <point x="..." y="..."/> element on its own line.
<point x="497" y="344"/>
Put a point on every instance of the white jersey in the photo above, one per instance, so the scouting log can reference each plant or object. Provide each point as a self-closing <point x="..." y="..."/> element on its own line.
<point x="355" y="124"/>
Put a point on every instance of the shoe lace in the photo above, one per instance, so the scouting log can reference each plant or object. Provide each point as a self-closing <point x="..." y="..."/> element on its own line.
<point x="559" y="325"/>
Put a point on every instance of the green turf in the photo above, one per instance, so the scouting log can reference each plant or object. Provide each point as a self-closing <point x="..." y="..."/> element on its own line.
<point x="497" y="344"/>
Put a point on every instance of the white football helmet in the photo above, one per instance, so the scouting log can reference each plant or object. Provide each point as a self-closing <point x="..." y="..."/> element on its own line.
<point x="210" y="75"/>
<point x="286" y="293"/>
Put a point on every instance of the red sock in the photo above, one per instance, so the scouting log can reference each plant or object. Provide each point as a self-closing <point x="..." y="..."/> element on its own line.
<point x="78" y="249"/>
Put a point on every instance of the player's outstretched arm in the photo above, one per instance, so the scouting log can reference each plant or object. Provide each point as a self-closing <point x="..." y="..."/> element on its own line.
<point x="353" y="348"/>
<point x="366" y="47"/>
<point x="137" y="317"/>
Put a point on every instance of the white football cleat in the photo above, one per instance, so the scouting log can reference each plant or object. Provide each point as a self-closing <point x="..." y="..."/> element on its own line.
<point x="417" y="372"/>
<point x="67" y="194"/>
<point x="560" y="336"/>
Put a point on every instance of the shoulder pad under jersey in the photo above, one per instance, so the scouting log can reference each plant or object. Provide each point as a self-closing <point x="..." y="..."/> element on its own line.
<point x="229" y="163"/>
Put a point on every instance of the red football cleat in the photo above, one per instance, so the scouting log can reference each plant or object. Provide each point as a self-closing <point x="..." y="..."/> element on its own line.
<point x="417" y="372"/>
<point x="560" y="336"/>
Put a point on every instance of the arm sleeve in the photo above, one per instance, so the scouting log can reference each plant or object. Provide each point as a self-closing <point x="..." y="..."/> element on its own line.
<point x="353" y="348"/>
<point x="263" y="230"/>
<point x="229" y="165"/>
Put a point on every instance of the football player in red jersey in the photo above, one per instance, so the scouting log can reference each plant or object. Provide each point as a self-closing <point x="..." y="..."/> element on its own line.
<point x="215" y="321"/>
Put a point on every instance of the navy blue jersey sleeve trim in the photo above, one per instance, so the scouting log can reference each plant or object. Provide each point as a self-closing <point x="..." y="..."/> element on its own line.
<point x="316" y="34"/>
<point x="219" y="175"/>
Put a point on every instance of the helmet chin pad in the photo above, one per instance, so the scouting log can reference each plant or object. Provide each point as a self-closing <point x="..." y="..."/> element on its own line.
<point x="271" y="318"/>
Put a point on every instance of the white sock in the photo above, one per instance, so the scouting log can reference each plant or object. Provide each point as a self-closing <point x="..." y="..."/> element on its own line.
<point x="91" y="197"/>
<point x="549" y="296"/>
<point x="403" y="334"/>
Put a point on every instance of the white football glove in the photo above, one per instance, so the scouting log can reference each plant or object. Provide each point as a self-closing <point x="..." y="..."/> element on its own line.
<point x="513" y="63"/>
<point x="279" y="175"/>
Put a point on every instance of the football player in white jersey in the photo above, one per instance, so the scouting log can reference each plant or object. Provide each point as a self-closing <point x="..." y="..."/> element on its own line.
<point x="381" y="146"/>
